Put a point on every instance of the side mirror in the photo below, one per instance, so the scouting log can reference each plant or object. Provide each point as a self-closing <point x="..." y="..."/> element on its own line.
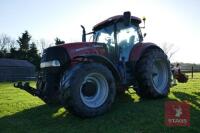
<point x="144" y="20"/>
<point x="145" y="34"/>
<point x="127" y="18"/>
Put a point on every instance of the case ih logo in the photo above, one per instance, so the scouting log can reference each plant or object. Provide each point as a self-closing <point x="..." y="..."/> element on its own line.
<point x="177" y="113"/>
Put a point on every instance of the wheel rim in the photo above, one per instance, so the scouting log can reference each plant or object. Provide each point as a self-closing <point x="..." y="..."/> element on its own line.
<point x="94" y="90"/>
<point x="160" y="75"/>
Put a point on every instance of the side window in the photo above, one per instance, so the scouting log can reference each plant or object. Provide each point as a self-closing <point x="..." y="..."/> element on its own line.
<point x="105" y="38"/>
<point x="105" y="35"/>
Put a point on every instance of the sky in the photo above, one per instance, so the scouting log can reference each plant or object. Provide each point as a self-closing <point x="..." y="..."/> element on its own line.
<point x="174" y="22"/>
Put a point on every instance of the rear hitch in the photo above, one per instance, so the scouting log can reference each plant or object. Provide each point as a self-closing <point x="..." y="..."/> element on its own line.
<point x="25" y="86"/>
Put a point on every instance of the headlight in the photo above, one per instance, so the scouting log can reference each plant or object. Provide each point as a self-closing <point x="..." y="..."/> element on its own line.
<point x="53" y="63"/>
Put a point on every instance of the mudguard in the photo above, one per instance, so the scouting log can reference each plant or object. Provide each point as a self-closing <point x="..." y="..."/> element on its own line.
<point x="138" y="50"/>
<point x="103" y="60"/>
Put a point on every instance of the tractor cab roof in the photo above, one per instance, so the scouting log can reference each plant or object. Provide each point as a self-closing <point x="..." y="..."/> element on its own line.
<point x="113" y="19"/>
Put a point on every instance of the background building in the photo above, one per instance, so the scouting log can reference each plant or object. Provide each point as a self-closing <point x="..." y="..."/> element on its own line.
<point x="15" y="70"/>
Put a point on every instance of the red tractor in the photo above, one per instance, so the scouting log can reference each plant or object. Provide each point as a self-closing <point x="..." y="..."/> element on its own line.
<point x="85" y="76"/>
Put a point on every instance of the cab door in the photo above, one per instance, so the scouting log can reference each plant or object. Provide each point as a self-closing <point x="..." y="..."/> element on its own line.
<point x="126" y="38"/>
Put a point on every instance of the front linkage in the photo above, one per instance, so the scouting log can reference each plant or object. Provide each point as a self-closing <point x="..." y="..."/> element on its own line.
<point x="42" y="90"/>
<point x="26" y="86"/>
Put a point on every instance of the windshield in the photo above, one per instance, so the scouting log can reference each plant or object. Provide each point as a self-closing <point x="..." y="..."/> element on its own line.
<point x="127" y="37"/>
<point x="128" y="34"/>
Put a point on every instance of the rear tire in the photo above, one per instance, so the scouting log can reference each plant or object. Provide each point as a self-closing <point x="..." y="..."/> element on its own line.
<point x="88" y="89"/>
<point x="153" y="74"/>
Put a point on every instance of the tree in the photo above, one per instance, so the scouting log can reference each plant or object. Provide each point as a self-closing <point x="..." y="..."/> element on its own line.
<point x="3" y="53"/>
<point x="33" y="56"/>
<point x="4" y="40"/>
<point x="44" y="44"/>
<point x="33" y="49"/>
<point x="58" y="41"/>
<point x="6" y="43"/>
<point x="13" y="53"/>
<point x="24" y="41"/>
<point x="27" y="51"/>
<point x="169" y="49"/>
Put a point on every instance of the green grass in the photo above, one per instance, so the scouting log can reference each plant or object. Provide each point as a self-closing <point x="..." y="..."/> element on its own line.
<point x="21" y="112"/>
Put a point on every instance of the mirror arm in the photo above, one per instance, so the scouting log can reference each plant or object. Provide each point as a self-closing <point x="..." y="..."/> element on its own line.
<point x="90" y="33"/>
<point x="144" y="20"/>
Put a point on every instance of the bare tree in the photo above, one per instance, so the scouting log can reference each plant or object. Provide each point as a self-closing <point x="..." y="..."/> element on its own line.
<point x="6" y="43"/>
<point x="169" y="49"/>
<point x="43" y="44"/>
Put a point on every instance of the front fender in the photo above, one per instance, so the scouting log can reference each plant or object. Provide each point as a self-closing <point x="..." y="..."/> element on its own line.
<point x="103" y="60"/>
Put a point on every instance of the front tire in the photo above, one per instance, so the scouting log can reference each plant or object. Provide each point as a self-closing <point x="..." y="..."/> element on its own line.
<point x="88" y="89"/>
<point x="153" y="74"/>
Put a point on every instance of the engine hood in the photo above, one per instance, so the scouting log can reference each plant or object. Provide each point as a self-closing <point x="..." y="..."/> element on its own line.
<point x="84" y="48"/>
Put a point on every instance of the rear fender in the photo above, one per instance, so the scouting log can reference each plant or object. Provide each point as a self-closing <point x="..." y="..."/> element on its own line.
<point x="139" y="49"/>
<point x="102" y="60"/>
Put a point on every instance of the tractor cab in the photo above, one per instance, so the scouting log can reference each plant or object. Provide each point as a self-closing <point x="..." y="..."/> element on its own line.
<point x="119" y="33"/>
<point x="119" y="38"/>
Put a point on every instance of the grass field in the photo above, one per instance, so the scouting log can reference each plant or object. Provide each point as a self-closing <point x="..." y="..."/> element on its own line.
<point x="23" y="113"/>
